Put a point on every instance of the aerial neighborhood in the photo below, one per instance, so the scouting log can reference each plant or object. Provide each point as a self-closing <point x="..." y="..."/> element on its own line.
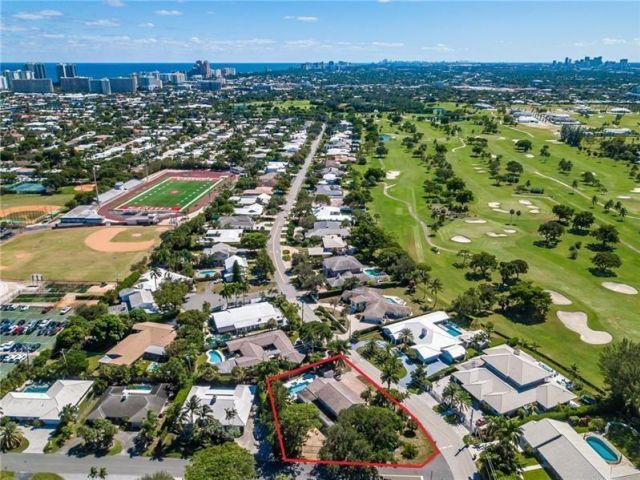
<point x="340" y="271"/>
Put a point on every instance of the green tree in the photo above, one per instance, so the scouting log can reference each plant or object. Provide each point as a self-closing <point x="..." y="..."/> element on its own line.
<point x="483" y="263"/>
<point x="296" y="420"/>
<point x="10" y="436"/>
<point x="619" y="366"/>
<point x="253" y="240"/>
<point x="108" y="329"/>
<point x="228" y="461"/>
<point x="551" y="231"/>
<point x="604" y="262"/>
<point x="606" y="234"/>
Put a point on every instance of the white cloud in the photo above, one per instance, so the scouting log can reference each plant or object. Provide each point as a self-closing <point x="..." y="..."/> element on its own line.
<point x="114" y="3"/>
<point x="196" y="40"/>
<point x="103" y="22"/>
<point x="302" y="44"/>
<point x="613" y="41"/>
<point x="438" y="47"/>
<point x="146" y="25"/>
<point x="12" y="28"/>
<point x="387" y="44"/>
<point x="53" y="36"/>
<point x="168" y="13"/>
<point x="307" y="19"/>
<point x="40" y="15"/>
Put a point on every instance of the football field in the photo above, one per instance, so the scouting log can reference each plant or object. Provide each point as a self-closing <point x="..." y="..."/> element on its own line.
<point x="171" y="194"/>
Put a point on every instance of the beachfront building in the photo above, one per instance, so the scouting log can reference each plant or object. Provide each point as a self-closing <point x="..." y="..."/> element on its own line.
<point x="507" y="379"/>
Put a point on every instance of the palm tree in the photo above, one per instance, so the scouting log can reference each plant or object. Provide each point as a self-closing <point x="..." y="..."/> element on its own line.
<point x="243" y="288"/>
<point x="449" y="393"/>
<point x="435" y="287"/>
<point x="148" y="428"/>
<point x="370" y="349"/>
<point x="189" y="412"/>
<point x="405" y="336"/>
<point x="10" y="436"/>
<point x="338" y="347"/>
<point x="155" y="274"/>
<point x="230" y="413"/>
<point x="390" y="371"/>
<point x="463" y="400"/>
<point x="228" y="290"/>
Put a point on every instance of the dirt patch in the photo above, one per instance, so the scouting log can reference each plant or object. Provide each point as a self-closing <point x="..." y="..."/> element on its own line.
<point x="162" y="229"/>
<point x="578" y="322"/>
<point x="23" y="255"/>
<point x="620" y="288"/>
<point x="558" y="298"/>
<point x="29" y="208"/>
<point x="100" y="289"/>
<point x="87" y="187"/>
<point x="101" y="241"/>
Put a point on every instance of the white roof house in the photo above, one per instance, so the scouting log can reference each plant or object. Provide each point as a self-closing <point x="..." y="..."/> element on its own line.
<point x="568" y="454"/>
<point x="327" y="213"/>
<point x="45" y="406"/>
<point x="223" y="400"/>
<point x="429" y="338"/>
<point x="508" y="379"/>
<point x="150" y="281"/>
<point x="230" y="235"/>
<point x="230" y="262"/>
<point x="254" y="210"/>
<point x="247" y="317"/>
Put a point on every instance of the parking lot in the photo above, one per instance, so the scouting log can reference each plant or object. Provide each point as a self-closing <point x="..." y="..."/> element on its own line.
<point x="33" y="326"/>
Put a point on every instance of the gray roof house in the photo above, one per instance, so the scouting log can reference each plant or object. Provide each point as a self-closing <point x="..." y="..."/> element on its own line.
<point x="330" y="395"/>
<point x="508" y="379"/>
<point x="373" y="305"/>
<point x="255" y="349"/>
<point x="568" y="455"/>
<point x="130" y="404"/>
<point x="325" y="227"/>
<point x="333" y="191"/>
<point x="237" y="221"/>
<point x="341" y="264"/>
<point x="220" y="252"/>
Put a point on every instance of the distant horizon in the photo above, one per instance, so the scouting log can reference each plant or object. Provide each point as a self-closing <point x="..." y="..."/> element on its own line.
<point x="130" y="31"/>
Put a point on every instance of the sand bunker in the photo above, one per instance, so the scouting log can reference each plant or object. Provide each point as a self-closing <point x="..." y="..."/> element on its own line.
<point x="460" y="239"/>
<point x="558" y="298"/>
<point x="480" y="171"/>
<point x="494" y="204"/>
<point x="475" y="220"/>
<point x="100" y="241"/>
<point x="620" y="288"/>
<point x="524" y="202"/>
<point x="528" y="155"/>
<point x="534" y="211"/>
<point x="496" y="235"/>
<point x="391" y="174"/>
<point x="577" y="322"/>
<point x="87" y="187"/>
<point x="636" y="190"/>
<point x="29" y="208"/>
<point x="500" y="210"/>
<point x="136" y="234"/>
<point x="509" y="230"/>
<point x="624" y="197"/>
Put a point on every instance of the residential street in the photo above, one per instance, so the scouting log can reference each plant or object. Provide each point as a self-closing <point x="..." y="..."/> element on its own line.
<point x="273" y="245"/>
<point x="122" y="467"/>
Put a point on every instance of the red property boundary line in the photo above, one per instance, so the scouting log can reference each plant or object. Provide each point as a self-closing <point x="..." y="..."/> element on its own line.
<point x="378" y="387"/>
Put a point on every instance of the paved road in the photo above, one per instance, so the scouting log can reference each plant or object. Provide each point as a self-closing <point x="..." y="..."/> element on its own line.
<point x="274" y="248"/>
<point x="448" y="438"/>
<point x="71" y="467"/>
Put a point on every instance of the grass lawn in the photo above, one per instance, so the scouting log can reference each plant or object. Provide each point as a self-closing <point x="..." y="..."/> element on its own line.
<point x="537" y="474"/>
<point x="398" y="206"/>
<point x="46" y="476"/>
<point x="115" y="449"/>
<point x="9" y="200"/>
<point x="172" y="193"/>
<point x="6" y="475"/>
<point x="24" y="444"/>
<point x="62" y="255"/>
<point x="376" y="362"/>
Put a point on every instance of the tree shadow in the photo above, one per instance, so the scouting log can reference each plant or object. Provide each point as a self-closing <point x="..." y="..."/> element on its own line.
<point x="602" y="272"/>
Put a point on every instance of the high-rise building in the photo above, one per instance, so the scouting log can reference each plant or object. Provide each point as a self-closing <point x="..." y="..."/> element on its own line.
<point x="4" y="83"/>
<point x="228" y="71"/>
<point x="201" y="67"/>
<point x="149" y="82"/>
<point x="74" y="84"/>
<point x="37" y="69"/>
<point x="123" y="84"/>
<point x="211" y="85"/>
<point x="101" y="85"/>
<point x="41" y="85"/>
<point x="173" y="77"/>
<point x="66" y="70"/>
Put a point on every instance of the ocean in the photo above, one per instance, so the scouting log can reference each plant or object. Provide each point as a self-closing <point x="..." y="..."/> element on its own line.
<point x="101" y="70"/>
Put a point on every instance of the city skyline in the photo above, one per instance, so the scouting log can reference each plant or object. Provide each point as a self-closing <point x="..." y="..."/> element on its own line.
<point x="120" y="31"/>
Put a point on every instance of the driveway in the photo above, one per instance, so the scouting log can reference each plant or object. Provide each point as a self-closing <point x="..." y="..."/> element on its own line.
<point x="38" y="438"/>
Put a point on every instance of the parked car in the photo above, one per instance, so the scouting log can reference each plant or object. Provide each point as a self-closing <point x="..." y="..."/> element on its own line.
<point x="65" y="310"/>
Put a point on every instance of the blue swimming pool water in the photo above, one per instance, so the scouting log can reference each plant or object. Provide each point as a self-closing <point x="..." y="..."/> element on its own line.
<point x="36" y="389"/>
<point x="602" y="449"/>
<point x="214" y="357"/>
<point x="373" y="272"/>
<point x="206" y="273"/>
<point x="384" y="137"/>
<point x="450" y="329"/>
<point x="301" y="383"/>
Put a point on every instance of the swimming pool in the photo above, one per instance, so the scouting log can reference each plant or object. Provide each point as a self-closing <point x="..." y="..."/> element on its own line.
<point x="384" y="137"/>
<point x="36" y="388"/>
<point x="374" y="272"/>
<point x="396" y="300"/>
<point x="602" y="449"/>
<point x="139" y="388"/>
<point x="296" y="386"/>
<point x="207" y="273"/>
<point x="450" y="329"/>
<point x="215" y="357"/>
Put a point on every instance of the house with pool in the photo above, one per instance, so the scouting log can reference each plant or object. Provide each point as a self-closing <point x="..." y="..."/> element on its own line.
<point x="505" y="380"/>
<point x="433" y="336"/>
<point x="128" y="405"/>
<point x="44" y="402"/>
<point x="373" y="306"/>
<point x="570" y="455"/>
<point x="231" y="406"/>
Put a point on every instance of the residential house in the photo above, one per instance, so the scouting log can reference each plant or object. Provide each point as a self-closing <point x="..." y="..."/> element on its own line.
<point x="230" y="406"/>
<point x="237" y="222"/>
<point x="148" y="340"/>
<point x="229" y="265"/>
<point x="334" y="244"/>
<point x="246" y="318"/>
<point x="219" y="252"/>
<point x="222" y="235"/>
<point x="431" y="338"/>
<point x="507" y="379"/>
<point x="255" y="349"/>
<point x="130" y="405"/>
<point x="324" y="228"/>
<point x="568" y="456"/>
<point x="34" y="403"/>
<point x="374" y="306"/>
<point x="330" y="395"/>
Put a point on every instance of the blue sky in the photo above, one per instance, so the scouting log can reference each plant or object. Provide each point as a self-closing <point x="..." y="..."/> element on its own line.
<point x="266" y="31"/>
